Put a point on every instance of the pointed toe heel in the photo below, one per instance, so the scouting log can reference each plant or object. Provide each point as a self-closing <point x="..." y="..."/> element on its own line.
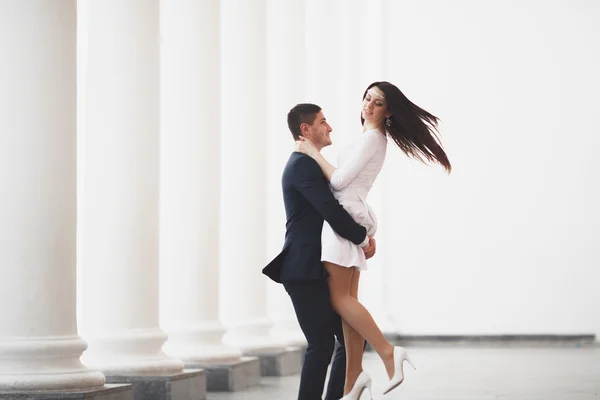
<point x="400" y="355"/>
<point x="362" y="382"/>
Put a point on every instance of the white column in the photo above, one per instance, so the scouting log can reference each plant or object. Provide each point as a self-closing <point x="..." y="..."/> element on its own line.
<point x="347" y="20"/>
<point x="39" y="345"/>
<point x="244" y="155"/>
<point x="285" y="88"/>
<point x="373" y="286"/>
<point x="320" y="53"/>
<point x="189" y="180"/>
<point x="321" y="67"/>
<point x="119" y="232"/>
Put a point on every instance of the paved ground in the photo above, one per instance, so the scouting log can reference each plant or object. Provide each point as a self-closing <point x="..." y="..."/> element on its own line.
<point x="470" y="373"/>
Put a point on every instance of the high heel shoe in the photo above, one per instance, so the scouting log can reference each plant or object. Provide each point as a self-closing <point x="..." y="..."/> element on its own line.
<point x="400" y="355"/>
<point x="363" y="381"/>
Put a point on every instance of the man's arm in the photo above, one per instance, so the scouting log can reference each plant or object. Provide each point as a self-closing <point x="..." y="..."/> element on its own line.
<point x="309" y="181"/>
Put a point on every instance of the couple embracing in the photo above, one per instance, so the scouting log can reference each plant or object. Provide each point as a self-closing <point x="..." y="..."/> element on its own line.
<point x="330" y="233"/>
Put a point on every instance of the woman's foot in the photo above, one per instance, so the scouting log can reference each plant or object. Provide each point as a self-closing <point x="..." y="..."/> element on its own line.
<point x="351" y="377"/>
<point x="400" y="355"/>
<point x="388" y="360"/>
<point x="362" y="382"/>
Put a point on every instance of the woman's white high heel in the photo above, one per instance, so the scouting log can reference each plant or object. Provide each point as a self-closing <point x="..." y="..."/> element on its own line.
<point x="363" y="381"/>
<point x="400" y="355"/>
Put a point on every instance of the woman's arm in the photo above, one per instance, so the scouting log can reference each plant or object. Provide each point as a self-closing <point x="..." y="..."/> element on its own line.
<point x="308" y="181"/>
<point x="340" y="177"/>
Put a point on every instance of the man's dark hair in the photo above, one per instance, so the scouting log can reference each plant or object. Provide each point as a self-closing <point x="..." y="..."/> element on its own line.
<point x="304" y="113"/>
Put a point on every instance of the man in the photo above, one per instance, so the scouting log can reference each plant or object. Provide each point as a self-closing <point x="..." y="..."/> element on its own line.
<point x="308" y="201"/>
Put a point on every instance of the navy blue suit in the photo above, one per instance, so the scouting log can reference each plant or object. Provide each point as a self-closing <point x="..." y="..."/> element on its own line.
<point x="308" y="201"/>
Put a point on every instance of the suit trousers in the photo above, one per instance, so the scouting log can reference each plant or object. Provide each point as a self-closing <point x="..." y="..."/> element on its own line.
<point x="321" y="326"/>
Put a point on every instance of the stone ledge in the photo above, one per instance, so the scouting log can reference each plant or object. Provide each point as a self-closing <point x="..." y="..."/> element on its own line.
<point x="108" y="392"/>
<point x="516" y="340"/>
<point x="231" y="376"/>
<point x="284" y="362"/>
<point x="186" y="385"/>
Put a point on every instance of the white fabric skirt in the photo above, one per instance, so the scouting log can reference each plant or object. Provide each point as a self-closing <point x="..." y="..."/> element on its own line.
<point x="340" y="251"/>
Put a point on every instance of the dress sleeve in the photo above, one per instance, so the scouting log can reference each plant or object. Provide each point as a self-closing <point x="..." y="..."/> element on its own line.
<point x="310" y="183"/>
<point x="361" y="154"/>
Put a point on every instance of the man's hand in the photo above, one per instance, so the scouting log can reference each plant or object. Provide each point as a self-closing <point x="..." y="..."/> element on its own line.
<point x="370" y="249"/>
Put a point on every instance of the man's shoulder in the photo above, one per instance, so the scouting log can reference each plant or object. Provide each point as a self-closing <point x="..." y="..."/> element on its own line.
<point x="301" y="163"/>
<point x="296" y="157"/>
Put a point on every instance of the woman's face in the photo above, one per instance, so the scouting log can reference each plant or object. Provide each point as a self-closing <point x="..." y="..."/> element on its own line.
<point x="374" y="107"/>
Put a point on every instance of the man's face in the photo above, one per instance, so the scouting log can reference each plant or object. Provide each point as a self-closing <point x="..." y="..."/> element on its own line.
<point x="318" y="132"/>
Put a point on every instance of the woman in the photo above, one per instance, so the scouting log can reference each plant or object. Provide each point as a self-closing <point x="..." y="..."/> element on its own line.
<point x="385" y="112"/>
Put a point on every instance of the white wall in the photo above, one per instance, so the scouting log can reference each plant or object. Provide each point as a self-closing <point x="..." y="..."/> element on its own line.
<point x="508" y="242"/>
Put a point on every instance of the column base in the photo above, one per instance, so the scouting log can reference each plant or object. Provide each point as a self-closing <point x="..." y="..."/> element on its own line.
<point x="293" y="336"/>
<point x="186" y="385"/>
<point x="108" y="392"/>
<point x="203" y="354"/>
<point x="282" y="362"/>
<point x="131" y="353"/>
<point x="253" y="336"/>
<point x="200" y="343"/>
<point x="231" y="376"/>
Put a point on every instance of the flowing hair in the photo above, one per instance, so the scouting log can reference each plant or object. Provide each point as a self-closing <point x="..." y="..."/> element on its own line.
<point x="413" y="129"/>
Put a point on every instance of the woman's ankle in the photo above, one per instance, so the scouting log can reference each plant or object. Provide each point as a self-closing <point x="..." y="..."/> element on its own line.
<point x="386" y="352"/>
<point x="351" y="377"/>
<point x="387" y="356"/>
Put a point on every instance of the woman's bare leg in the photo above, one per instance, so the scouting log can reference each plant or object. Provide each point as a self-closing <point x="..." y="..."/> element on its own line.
<point x="356" y="315"/>
<point x="353" y="340"/>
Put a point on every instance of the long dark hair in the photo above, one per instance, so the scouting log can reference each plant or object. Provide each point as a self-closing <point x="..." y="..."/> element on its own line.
<point x="413" y="129"/>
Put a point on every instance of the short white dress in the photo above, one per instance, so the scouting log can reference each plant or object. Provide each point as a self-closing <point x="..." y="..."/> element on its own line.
<point x="358" y="166"/>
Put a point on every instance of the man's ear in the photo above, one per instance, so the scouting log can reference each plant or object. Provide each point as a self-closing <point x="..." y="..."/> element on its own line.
<point x="304" y="129"/>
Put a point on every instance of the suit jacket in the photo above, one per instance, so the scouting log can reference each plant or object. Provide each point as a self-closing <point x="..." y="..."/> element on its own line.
<point x="308" y="201"/>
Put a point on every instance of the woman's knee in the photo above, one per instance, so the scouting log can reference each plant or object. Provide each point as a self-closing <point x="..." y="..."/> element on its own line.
<point x="339" y="300"/>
